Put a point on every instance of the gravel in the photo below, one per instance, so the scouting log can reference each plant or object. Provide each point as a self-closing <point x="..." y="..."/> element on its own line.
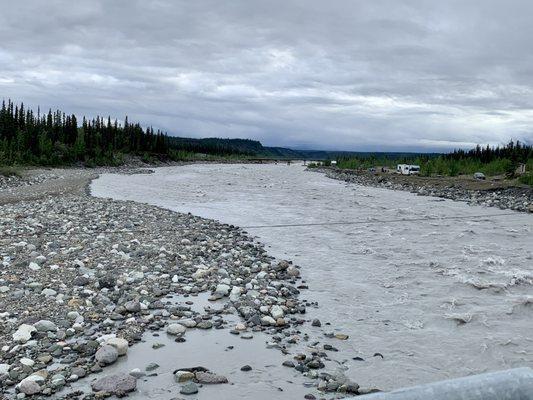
<point x="513" y="198"/>
<point x="83" y="278"/>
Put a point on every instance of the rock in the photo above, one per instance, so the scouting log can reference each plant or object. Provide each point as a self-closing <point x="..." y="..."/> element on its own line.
<point x="49" y="292"/>
<point x="137" y="373"/>
<point x="27" y="361"/>
<point x="210" y="378"/>
<point x="246" y="368"/>
<point x="29" y="386"/>
<point x="106" y="355"/>
<point x="240" y="327"/>
<point x="34" y="266"/>
<point x="189" y="323"/>
<point x="133" y="306"/>
<point x="115" y="384"/>
<point x="341" y="336"/>
<point x="4" y="369"/>
<point x="276" y="312"/>
<point x="189" y="388"/>
<point x="205" y="325"/>
<point x="293" y="271"/>
<point x="23" y="333"/>
<point x="57" y="381"/>
<point x="79" y="372"/>
<point x="176" y="329"/>
<point x="152" y="367"/>
<point x="120" y="344"/>
<point x="316" y="322"/>
<point x="183" y="376"/>
<point x="45" y="326"/>
<point x="107" y="281"/>
<point x="268" y="320"/>
<point x="288" y="363"/>
<point x="222" y="290"/>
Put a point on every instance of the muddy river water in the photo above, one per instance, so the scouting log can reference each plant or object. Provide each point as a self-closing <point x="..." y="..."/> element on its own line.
<point x="438" y="288"/>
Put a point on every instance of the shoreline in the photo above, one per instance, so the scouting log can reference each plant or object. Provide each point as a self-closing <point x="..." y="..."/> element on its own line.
<point x="88" y="276"/>
<point x="505" y="197"/>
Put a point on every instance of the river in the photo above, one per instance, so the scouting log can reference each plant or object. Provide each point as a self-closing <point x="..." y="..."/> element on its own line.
<point x="426" y="288"/>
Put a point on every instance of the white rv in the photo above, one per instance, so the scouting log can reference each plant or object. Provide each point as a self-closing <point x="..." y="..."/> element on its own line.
<point x="408" y="169"/>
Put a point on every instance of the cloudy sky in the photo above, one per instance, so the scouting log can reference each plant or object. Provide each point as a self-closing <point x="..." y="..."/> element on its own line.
<point x="314" y="74"/>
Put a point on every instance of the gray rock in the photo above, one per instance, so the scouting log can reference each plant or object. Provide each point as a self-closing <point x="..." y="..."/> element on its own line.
<point x="189" y="388"/>
<point x="45" y="326"/>
<point x="29" y="386"/>
<point x="133" y="306"/>
<point x="115" y="384"/>
<point x="152" y="367"/>
<point x="210" y="378"/>
<point x="106" y="355"/>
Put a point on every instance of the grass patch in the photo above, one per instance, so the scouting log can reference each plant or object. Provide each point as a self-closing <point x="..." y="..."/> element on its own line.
<point x="526" y="179"/>
<point x="10" y="171"/>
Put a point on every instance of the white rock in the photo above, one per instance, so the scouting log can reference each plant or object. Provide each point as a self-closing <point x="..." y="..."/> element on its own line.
<point x="189" y="323"/>
<point x="276" y="312"/>
<point x="49" y="292"/>
<point x="120" y="344"/>
<point x="268" y="320"/>
<point x="4" y="369"/>
<point x="23" y="333"/>
<point x="26" y="361"/>
<point x="176" y="329"/>
<point x="222" y="289"/>
<point x="34" y="266"/>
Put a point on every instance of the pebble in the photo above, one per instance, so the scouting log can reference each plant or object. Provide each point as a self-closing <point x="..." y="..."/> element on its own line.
<point x="115" y="384"/>
<point x="210" y="378"/>
<point x="106" y="355"/>
<point x="120" y="344"/>
<point x="183" y="376"/>
<point x="189" y="388"/>
<point x="176" y="329"/>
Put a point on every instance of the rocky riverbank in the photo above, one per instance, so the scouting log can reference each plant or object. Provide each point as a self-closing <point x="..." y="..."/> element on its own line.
<point x="81" y="280"/>
<point x="513" y="198"/>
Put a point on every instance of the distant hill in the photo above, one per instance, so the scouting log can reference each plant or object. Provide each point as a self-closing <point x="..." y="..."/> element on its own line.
<point x="254" y="149"/>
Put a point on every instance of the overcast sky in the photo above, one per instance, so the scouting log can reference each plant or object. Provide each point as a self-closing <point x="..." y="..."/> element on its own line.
<point x="315" y="74"/>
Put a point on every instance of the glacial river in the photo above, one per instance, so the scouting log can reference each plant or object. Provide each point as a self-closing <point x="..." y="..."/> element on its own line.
<point x="439" y="289"/>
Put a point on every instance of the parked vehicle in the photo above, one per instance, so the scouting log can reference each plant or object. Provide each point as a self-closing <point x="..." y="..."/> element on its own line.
<point x="408" y="169"/>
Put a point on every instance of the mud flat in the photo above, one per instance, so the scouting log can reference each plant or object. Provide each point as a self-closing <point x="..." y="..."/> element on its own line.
<point x="426" y="288"/>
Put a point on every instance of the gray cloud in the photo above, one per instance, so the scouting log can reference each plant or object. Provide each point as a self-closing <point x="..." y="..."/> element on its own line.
<point x="343" y="74"/>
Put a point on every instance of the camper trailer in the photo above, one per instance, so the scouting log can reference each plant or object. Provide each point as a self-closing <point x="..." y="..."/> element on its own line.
<point x="408" y="169"/>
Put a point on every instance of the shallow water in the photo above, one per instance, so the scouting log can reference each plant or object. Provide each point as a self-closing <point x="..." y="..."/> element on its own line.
<point x="436" y="294"/>
<point x="218" y="350"/>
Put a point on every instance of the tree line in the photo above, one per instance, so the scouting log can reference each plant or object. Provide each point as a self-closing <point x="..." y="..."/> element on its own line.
<point x="499" y="160"/>
<point x="54" y="138"/>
